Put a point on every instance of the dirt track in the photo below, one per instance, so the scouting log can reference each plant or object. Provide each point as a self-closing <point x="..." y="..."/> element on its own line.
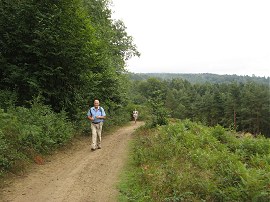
<point x="77" y="174"/>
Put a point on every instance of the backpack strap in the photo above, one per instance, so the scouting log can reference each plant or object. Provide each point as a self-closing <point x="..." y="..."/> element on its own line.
<point x="101" y="110"/>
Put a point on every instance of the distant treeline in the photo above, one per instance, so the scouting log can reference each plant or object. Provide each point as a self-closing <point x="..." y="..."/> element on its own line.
<point x="201" y="78"/>
<point x="241" y="106"/>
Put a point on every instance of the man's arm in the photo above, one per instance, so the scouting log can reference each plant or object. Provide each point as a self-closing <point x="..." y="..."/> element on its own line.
<point x="89" y="115"/>
<point x="101" y="117"/>
<point x="90" y="118"/>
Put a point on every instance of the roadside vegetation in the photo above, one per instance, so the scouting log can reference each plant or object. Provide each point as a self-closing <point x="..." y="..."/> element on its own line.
<point x="201" y="142"/>
<point x="26" y="133"/>
<point x="186" y="161"/>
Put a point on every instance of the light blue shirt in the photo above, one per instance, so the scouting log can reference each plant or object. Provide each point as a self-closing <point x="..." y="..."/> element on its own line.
<point x="94" y="113"/>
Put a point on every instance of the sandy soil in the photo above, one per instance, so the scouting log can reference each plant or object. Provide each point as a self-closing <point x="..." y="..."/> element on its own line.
<point x="78" y="174"/>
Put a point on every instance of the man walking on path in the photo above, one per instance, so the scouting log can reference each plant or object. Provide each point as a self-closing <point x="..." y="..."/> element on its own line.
<point x="96" y="115"/>
<point x="135" y="115"/>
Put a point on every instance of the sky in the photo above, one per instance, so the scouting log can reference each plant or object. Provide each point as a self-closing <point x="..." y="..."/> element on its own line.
<point x="198" y="36"/>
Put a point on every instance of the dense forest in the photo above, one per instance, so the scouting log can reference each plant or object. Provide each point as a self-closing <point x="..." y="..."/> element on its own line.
<point x="236" y="105"/>
<point x="66" y="52"/>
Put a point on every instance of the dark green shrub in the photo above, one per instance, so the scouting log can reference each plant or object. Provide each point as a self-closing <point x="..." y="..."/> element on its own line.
<point x="27" y="132"/>
<point x="7" y="99"/>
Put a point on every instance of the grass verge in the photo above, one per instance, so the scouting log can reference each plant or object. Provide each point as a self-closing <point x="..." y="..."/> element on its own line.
<point x="186" y="161"/>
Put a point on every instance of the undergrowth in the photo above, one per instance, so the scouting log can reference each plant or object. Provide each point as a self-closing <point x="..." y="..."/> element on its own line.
<point x="27" y="132"/>
<point x="186" y="161"/>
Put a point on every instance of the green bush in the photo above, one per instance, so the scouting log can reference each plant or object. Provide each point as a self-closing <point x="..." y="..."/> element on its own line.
<point x="7" y="99"/>
<point x="28" y="132"/>
<point x="186" y="161"/>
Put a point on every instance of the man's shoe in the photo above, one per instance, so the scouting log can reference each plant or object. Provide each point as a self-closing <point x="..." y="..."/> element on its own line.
<point x="92" y="149"/>
<point x="99" y="147"/>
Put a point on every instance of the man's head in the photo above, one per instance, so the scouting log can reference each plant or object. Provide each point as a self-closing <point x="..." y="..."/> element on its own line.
<point x="96" y="103"/>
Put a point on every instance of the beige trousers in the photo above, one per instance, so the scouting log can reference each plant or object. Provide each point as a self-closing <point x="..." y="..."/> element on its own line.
<point x="96" y="134"/>
<point x="135" y="116"/>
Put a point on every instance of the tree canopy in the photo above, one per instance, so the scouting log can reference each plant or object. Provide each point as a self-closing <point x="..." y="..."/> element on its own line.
<point x="240" y="106"/>
<point x="68" y="52"/>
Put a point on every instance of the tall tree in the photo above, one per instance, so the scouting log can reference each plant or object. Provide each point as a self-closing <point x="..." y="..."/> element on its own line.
<point x="67" y="51"/>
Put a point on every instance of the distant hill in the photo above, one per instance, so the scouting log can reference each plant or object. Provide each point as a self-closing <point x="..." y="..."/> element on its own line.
<point x="202" y="78"/>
